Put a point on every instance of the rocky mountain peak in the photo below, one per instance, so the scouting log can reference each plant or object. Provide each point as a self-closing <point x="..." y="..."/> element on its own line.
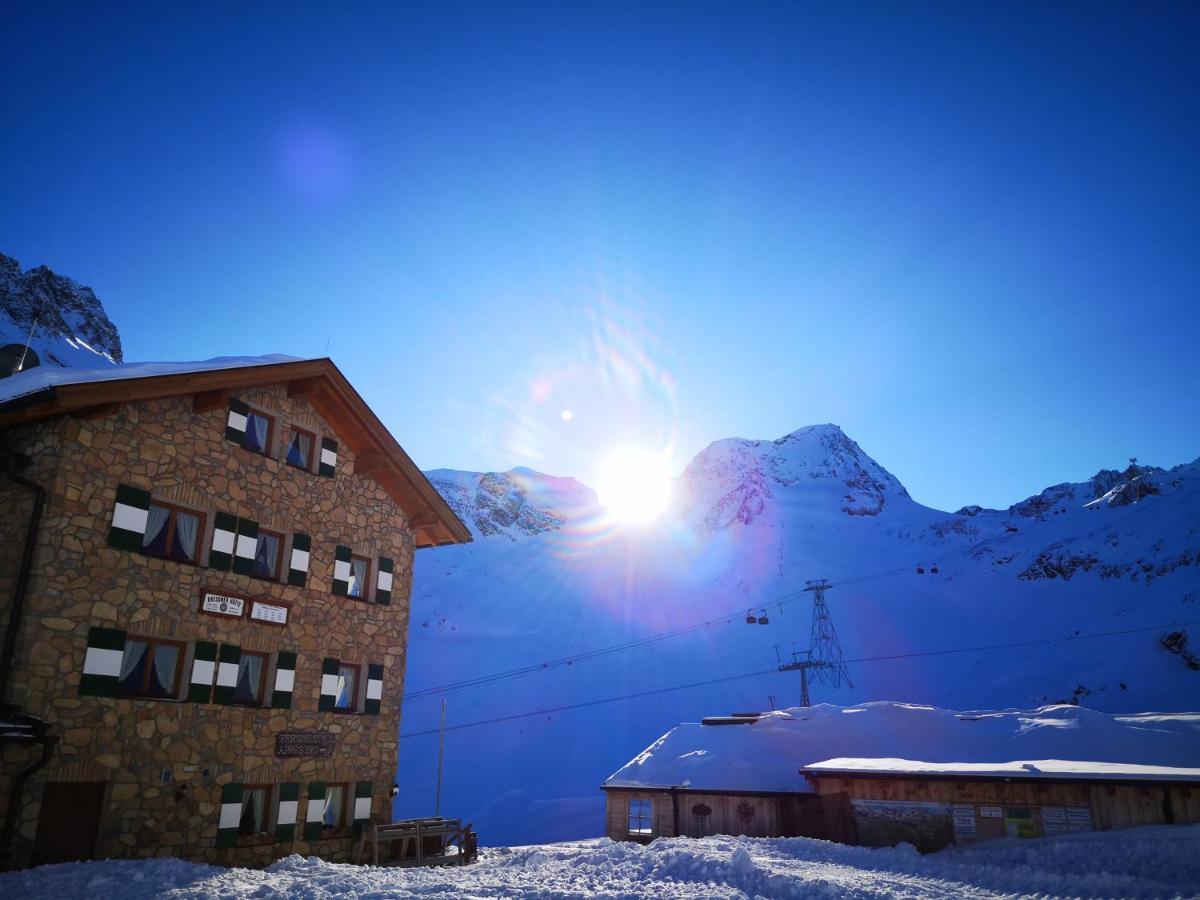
<point x="518" y="502"/>
<point x="68" y="322"/>
<point x="734" y="480"/>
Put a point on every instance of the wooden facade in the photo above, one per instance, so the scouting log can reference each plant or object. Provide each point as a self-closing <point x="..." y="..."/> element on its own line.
<point x="681" y="812"/>
<point x="933" y="811"/>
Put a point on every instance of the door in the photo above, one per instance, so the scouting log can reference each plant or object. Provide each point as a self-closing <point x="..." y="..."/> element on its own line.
<point x="68" y="822"/>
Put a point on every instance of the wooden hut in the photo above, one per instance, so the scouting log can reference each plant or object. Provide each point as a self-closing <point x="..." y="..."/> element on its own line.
<point x="931" y="805"/>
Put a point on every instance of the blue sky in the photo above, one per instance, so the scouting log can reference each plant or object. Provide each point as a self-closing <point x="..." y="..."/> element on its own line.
<point x="966" y="233"/>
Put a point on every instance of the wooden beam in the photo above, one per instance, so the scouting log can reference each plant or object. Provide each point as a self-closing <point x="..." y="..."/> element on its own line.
<point x="206" y="401"/>
<point x="99" y="411"/>
<point x="370" y="462"/>
<point x="304" y="388"/>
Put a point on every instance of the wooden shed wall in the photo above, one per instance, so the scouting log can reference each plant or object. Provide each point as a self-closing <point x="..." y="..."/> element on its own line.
<point x="1042" y="805"/>
<point x="754" y="815"/>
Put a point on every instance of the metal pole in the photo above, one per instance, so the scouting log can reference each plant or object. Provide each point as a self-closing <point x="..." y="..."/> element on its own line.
<point x="437" y="803"/>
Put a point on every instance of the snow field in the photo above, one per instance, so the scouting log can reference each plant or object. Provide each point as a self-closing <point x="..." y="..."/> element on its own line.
<point x="1144" y="862"/>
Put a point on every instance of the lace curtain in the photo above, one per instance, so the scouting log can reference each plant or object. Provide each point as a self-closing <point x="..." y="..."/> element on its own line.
<point x="186" y="527"/>
<point x="156" y="521"/>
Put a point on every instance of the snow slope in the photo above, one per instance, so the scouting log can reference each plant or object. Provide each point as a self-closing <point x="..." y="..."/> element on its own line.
<point x="1140" y="862"/>
<point x="1086" y="579"/>
<point x="67" y="320"/>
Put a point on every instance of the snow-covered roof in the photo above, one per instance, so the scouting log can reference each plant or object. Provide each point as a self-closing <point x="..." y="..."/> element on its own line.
<point x="32" y="381"/>
<point x="1055" y="769"/>
<point x="769" y="754"/>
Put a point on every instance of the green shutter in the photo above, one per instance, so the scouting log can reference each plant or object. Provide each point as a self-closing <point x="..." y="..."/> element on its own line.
<point x="247" y="544"/>
<point x="327" y="461"/>
<point x="130" y="513"/>
<point x="285" y="817"/>
<point x="341" y="571"/>
<point x="235" y="423"/>
<point x="231" y="815"/>
<point x="224" y="540"/>
<point x="330" y="667"/>
<point x="102" y="662"/>
<point x="285" y="678"/>
<point x="383" y="581"/>
<point x="204" y="669"/>
<point x="298" y="564"/>
<point x="315" y="810"/>
<point x="227" y="671"/>
<point x="362" y="803"/>
<point x="374" y="691"/>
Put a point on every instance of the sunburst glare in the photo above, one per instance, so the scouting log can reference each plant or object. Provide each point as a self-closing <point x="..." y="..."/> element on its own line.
<point x="634" y="485"/>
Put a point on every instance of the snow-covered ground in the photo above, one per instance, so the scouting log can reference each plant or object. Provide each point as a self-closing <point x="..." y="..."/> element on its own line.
<point x="1142" y="862"/>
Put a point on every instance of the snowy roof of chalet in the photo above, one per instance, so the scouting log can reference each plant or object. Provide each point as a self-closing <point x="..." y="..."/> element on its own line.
<point x="48" y="391"/>
<point x="42" y="378"/>
<point x="1055" y="769"/>
<point x="769" y="754"/>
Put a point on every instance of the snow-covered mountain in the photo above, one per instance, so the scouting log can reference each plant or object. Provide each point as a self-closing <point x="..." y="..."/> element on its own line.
<point x="1095" y="585"/>
<point x="67" y="320"/>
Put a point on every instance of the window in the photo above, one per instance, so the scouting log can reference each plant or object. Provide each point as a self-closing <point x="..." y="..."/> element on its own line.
<point x="347" y="684"/>
<point x="300" y="448"/>
<point x="359" y="566"/>
<point x="173" y="533"/>
<point x="253" y="821"/>
<point x="268" y="551"/>
<point x="251" y="676"/>
<point x="150" y="667"/>
<point x="640" y="817"/>
<point x="334" y="815"/>
<point x="258" y="431"/>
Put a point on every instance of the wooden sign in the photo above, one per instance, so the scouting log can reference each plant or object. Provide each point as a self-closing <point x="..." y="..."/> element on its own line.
<point x="268" y="612"/>
<point x="304" y="743"/>
<point x="221" y="605"/>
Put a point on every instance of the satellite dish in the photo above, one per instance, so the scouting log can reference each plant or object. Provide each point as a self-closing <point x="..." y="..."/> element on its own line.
<point x="16" y="358"/>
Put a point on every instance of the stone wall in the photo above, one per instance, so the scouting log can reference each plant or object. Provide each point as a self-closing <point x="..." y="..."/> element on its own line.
<point x="135" y="745"/>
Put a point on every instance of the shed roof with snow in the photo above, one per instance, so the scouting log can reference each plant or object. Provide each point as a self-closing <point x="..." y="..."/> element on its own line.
<point x="768" y="755"/>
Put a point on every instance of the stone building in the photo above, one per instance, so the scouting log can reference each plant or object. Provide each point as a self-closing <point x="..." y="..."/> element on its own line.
<point x="205" y="575"/>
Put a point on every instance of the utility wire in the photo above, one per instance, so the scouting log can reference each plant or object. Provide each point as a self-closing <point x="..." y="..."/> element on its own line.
<point x="863" y="659"/>
<point x="681" y="631"/>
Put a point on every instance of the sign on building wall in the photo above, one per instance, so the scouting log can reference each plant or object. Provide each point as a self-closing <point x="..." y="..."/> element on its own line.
<point x="964" y="820"/>
<point x="304" y="743"/>
<point x="268" y="612"/>
<point x="222" y="605"/>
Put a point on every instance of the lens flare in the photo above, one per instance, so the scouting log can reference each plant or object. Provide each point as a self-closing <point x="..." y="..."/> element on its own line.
<point x="634" y="485"/>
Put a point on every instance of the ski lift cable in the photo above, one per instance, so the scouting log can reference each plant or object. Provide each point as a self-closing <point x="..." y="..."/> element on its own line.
<point x="866" y="659"/>
<point x="681" y="631"/>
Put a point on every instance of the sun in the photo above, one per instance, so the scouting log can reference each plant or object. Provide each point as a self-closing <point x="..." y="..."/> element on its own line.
<point x="634" y="485"/>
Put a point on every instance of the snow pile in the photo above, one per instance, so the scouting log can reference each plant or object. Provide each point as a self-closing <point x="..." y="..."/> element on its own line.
<point x="768" y="755"/>
<point x="1143" y="862"/>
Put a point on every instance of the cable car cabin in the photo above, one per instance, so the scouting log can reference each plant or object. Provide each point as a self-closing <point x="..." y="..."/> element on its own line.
<point x="920" y="570"/>
<point x="934" y="570"/>
<point x="751" y="619"/>
<point x="763" y="620"/>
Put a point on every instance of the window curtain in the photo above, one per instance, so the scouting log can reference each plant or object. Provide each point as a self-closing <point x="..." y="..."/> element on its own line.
<point x="256" y="432"/>
<point x="345" y="692"/>
<point x="249" y="679"/>
<point x="163" y="675"/>
<point x="265" y="555"/>
<point x="186" y="527"/>
<point x="156" y="521"/>
<point x="135" y="653"/>
<point x="299" y="451"/>
<point x="333" y="805"/>
<point x="358" y="577"/>
<point x="252" y="812"/>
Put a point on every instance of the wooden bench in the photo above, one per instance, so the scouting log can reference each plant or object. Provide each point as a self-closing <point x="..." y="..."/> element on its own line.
<point x="419" y="842"/>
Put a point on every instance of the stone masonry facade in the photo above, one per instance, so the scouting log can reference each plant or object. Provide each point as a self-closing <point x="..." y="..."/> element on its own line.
<point x="165" y="763"/>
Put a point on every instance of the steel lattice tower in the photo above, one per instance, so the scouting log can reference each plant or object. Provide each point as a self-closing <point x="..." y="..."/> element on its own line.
<point x="824" y="655"/>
